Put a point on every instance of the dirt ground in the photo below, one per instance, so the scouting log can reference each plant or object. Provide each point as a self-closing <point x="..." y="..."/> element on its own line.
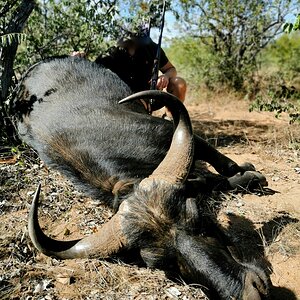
<point x="265" y="222"/>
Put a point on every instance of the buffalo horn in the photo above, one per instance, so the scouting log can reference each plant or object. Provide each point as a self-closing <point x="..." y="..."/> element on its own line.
<point x="107" y="241"/>
<point x="176" y="165"/>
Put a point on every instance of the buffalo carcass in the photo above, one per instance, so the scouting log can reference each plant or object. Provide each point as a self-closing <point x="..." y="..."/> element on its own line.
<point x="137" y="164"/>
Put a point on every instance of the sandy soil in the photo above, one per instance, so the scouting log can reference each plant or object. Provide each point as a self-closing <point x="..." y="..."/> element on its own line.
<point x="264" y="222"/>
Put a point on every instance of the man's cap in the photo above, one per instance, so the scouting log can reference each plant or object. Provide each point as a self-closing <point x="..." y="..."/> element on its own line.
<point x="139" y="34"/>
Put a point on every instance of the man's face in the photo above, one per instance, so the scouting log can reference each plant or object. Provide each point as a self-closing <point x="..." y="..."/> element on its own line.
<point x="128" y="44"/>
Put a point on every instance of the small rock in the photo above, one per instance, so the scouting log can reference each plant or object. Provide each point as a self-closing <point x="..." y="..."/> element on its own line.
<point x="42" y="286"/>
<point x="275" y="178"/>
<point x="54" y="195"/>
<point x="173" y="292"/>
<point x="35" y="167"/>
<point x="64" y="279"/>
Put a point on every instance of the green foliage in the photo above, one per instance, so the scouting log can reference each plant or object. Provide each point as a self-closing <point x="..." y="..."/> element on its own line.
<point x="137" y="12"/>
<point x="283" y="54"/>
<point x="278" y="106"/>
<point x="60" y="27"/>
<point x="279" y="100"/>
<point x="281" y="60"/>
<point x="235" y="32"/>
<point x="289" y="27"/>
<point x="195" y="62"/>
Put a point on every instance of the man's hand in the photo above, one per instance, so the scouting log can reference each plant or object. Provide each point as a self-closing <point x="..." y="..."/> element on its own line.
<point x="162" y="82"/>
<point x="80" y="54"/>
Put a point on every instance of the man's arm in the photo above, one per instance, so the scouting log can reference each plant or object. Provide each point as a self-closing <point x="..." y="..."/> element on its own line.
<point x="169" y="71"/>
<point x="80" y="54"/>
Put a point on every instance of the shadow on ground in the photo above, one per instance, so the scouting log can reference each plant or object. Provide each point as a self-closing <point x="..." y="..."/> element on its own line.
<point x="229" y="132"/>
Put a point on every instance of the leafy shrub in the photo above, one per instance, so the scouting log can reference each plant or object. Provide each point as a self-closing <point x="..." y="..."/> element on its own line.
<point x="280" y="100"/>
<point x="283" y="55"/>
<point x="281" y="61"/>
<point x="196" y="63"/>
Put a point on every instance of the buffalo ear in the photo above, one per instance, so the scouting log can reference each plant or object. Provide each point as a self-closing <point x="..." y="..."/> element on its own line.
<point x="159" y="257"/>
<point x="191" y="215"/>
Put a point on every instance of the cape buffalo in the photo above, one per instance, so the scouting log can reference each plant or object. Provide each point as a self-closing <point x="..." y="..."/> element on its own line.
<point x="140" y="166"/>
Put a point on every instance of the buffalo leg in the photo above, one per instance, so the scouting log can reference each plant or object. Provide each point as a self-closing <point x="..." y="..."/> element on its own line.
<point x="222" y="164"/>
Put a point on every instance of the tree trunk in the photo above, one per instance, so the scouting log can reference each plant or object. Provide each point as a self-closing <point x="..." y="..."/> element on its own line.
<point x="8" y="54"/>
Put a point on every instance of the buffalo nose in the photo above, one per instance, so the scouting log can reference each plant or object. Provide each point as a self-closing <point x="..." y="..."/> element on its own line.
<point x="256" y="287"/>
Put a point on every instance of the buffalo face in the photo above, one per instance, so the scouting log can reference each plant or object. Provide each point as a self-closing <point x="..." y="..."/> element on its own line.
<point x="167" y="229"/>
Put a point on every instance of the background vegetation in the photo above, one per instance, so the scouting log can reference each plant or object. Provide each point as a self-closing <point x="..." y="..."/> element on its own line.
<point x="221" y="45"/>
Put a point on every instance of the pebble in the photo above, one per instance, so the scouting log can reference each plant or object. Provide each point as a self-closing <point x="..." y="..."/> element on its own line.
<point x="41" y="286"/>
<point x="30" y="193"/>
<point x="275" y="178"/>
<point x="63" y="279"/>
<point x="173" y="292"/>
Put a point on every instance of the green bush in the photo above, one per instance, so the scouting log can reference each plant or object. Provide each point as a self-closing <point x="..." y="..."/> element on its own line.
<point x="279" y="80"/>
<point x="283" y="55"/>
<point x="195" y="62"/>
<point x="278" y="99"/>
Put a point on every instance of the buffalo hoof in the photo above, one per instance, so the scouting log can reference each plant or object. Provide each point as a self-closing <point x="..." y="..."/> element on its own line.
<point x="247" y="180"/>
<point x="247" y="167"/>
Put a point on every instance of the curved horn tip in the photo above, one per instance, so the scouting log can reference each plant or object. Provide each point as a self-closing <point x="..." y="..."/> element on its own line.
<point x="37" y="194"/>
<point x="33" y="208"/>
<point x="106" y="242"/>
